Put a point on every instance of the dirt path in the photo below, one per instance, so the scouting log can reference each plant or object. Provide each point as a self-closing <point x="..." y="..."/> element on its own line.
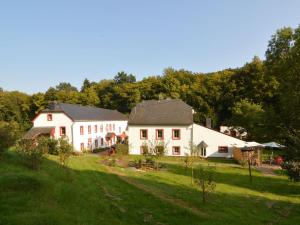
<point x="268" y="170"/>
<point x="161" y="195"/>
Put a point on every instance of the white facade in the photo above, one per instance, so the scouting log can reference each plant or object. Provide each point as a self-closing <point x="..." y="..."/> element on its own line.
<point x="78" y="132"/>
<point x="218" y="144"/>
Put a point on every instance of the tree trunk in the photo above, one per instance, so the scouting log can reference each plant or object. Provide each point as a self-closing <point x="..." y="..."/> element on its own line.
<point x="192" y="175"/>
<point x="249" y="167"/>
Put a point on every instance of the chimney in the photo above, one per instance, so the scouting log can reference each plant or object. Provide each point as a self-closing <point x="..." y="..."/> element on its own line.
<point x="208" y="122"/>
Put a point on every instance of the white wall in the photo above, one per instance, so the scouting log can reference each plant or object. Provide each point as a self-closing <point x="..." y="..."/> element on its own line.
<point x="214" y="139"/>
<point x="135" y="142"/>
<point x="120" y="127"/>
<point x="58" y="120"/>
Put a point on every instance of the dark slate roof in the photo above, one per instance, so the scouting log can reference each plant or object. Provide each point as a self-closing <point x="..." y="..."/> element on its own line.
<point x="161" y="112"/>
<point x="85" y="113"/>
<point x="36" y="131"/>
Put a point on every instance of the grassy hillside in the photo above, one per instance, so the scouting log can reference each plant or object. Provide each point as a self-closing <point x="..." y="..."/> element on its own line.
<point x="88" y="192"/>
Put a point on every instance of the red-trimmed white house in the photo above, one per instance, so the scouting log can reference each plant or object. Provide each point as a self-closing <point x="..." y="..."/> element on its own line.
<point x="85" y="127"/>
<point x="170" y="122"/>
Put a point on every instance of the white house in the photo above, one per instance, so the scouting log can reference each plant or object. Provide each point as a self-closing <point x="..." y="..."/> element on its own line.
<point x="170" y="123"/>
<point x="85" y="127"/>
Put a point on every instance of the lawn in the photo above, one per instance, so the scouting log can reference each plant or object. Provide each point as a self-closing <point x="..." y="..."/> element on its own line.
<point x="88" y="192"/>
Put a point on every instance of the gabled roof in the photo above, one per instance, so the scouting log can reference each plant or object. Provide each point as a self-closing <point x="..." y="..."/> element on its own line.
<point x="161" y="112"/>
<point x="36" y="131"/>
<point x="85" y="113"/>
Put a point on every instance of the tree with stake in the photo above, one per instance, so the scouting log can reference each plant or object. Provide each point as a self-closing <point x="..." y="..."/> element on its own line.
<point x="206" y="181"/>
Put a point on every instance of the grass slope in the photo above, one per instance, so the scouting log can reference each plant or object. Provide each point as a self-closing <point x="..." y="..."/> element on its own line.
<point x="90" y="193"/>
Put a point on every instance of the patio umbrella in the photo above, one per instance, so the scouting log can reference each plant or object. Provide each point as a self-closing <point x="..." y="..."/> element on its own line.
<point x="273" y="145"/>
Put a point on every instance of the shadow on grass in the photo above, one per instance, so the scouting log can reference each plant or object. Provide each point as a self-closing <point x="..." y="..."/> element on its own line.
<point x="84" y="193"/>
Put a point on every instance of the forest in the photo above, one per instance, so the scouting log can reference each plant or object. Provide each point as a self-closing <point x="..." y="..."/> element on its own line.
<point x="263" y="96"/>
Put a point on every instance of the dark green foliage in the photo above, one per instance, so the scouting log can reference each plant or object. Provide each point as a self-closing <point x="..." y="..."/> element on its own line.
<point x="293" y="170"/>
<point x="9" y="132"/>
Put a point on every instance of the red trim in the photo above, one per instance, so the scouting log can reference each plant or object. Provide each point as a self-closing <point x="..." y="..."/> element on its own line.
<point x="89" y="129"/>
<point x="53" y="132"/>
<point x="156" y="134"/>
<point x="175" y="138"/>
<point x="60" y="131"/>
<point x="141" y="134"/>
<point x="81" y="130"/>
<point x="49" y="117"/>
<point x="96" y="128"/>
<point x="173" y="150"/>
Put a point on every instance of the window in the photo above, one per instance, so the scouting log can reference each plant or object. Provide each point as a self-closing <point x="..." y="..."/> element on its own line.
<point x="62" y="131"/>
<point x="143" y="149"/>
<point x="114" y="127"/>
<point x="49" y="117"/>
<point x="82" y="146"/>
<point x="96" y="128"/>
<point x="159" y="134"/>
<point x="143" y="134"/>
<point x="101" y="128"/>
<point x="96" y="143"/>
<point x="203" y="151"/>
<point x="81" y="130"/>
<point x="89" y="129"/>
<point x="119" y="129"/>
<point x="90" y="143"/>
<point x="109" y="127"/>
<point x="175" y="134"/>
<point x="176" y="150"/>
<point x="102" y="142"/>
<point x="223" y="149"/>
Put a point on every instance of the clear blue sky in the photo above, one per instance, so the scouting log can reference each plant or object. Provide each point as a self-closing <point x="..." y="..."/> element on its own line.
<point x="45" y="42"/>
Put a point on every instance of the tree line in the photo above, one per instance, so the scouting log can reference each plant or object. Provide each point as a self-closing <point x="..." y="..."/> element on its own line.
<point x="263" y="96"/>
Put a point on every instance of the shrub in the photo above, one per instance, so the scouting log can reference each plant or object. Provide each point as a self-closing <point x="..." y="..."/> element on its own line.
<point x="9" y="132"/>
<point x="65" y="150"/>
<point x="206" y="182"/>
<point x="33" y="151"/>
<point x="122" y="149"/>
<point x="52" y="146"/>
<point x="293" y="170"/>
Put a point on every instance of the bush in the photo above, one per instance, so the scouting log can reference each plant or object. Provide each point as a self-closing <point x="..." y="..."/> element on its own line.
<point x="52" y="146"/>
<point x="205" y="180"/>
<point x="293" y="170"/>
<point x="33" y="151"/>
<point x="9" y="132"/>
<point x="122" y="149"/>
<point x="65" y="150"/>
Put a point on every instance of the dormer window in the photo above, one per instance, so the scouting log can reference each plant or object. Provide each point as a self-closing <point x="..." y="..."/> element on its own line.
<point x="49" y="117"/>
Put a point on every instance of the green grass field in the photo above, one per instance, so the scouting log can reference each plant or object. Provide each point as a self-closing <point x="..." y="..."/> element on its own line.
<point x="88" y="192"/>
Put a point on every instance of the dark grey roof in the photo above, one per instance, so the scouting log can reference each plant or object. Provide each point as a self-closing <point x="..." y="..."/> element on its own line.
<point x="36" y="131"/>
<point x="85" y="113"/>
<point x="161" y="112"/>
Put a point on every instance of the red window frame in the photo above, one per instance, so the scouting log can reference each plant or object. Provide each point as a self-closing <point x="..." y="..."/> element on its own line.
<point x="81" y="146"/>
<point x="81" y="130"/>
<point x="222" y="149"/>
<point x="89" y="129"/>
<point x="173" y="136"/>
<point x="173" y="150"/>
<point x="96" y="128"/>
<point x="156" y="134"/>
<point x="144" y="138"/>
<point x="49" y="117"/>
<point x="60" y="131"/>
